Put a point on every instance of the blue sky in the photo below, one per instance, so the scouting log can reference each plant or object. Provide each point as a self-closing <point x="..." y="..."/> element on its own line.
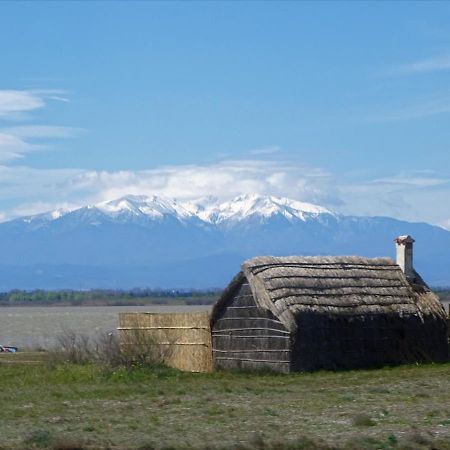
<point x="342" y="104"/>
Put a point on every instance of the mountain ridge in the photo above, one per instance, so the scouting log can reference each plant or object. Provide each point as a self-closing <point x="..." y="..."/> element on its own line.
<point x="140" y="241"/>
<point x="207" y="209"/>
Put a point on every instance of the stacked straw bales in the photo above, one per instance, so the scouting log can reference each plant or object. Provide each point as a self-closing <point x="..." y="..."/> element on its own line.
<point x="181" y="340"/>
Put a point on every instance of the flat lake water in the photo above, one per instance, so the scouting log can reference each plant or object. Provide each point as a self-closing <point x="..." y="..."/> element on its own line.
<point x="39" y="326"/>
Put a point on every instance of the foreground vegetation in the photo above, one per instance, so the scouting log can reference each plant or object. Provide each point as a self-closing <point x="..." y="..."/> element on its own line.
<point x="89" y="406"/>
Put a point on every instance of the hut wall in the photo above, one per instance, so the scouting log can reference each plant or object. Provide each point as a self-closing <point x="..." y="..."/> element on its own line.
<point x="245" y="336"/>
<point x="180" y="340"/>
<point x="341" y="341"/>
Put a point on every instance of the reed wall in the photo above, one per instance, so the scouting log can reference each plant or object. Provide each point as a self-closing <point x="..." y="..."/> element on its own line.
<point x="182" y="340"/>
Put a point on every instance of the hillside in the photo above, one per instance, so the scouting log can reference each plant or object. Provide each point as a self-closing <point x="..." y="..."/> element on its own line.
<point x="138" y="241"/>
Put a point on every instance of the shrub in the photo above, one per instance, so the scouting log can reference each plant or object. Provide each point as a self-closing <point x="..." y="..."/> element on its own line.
<point x="107" y="350"/>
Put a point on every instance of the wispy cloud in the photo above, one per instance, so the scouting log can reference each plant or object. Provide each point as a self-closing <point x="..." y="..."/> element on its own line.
<point x="433" y="64"/>
<point x="412" y="179"/>
<point x="13" y="102"/>
<point x="407" y="195"/>
<point x="42" y="131"/>
<point x="25" y="190"/>
<point x="222" y="179"/>
<point x="13" y="147"/>
<point x="36" y="191"/>
<point x="17" y="141"/>
<point x="421" y="107"/>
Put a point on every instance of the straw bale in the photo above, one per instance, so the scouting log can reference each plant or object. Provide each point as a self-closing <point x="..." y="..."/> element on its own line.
<point x="184" y="339"/>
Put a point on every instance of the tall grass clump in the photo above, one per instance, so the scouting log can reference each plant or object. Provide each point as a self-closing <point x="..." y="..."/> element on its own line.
<point x="107" y="350"/>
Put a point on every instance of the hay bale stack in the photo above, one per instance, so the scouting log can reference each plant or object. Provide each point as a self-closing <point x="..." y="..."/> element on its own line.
<point x="180" y="340"/>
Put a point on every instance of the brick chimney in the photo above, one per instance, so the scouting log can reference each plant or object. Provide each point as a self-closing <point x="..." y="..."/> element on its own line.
<point x="404" y="247"/>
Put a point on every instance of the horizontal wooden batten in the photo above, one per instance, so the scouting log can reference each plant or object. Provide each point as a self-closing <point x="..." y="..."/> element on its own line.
<point x="388" y="276"/>
<point x="356" y="294"/>
<point x="165" y="343"/>
<point x="252" y="351"/>
<point x="385" y="291"/>
<point x="253" y="328"/>
<point x="349" y="303"/>
<point x="163" y="328"/>
<point x="250" y="318"/>
<point x="243" y="307"/>
<point x="253" y="360"/>
<point x="256" y="336"/>
<point x="355" y="310"/>
<point x="337" y="267"/>
<point x="333" y="285"/>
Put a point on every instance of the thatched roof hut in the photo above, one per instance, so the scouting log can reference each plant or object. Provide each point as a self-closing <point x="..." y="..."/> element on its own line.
<point x="305" y="313"/>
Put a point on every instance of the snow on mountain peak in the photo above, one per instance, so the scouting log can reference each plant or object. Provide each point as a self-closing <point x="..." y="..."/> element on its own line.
<point x="208" y="209"/>
<point x="141" y="205"/>
<point x="248" y="205"/>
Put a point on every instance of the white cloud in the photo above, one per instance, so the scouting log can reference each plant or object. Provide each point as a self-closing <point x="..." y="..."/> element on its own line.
<point x="17" y="141"/>
<point x="415" y="196"/>
<point x="33" y="191"/>
<point x="415" y="179"/>
<point x="23" y="190"/>
<point x="13" y="102"/>
<point x="19" y="183"/>
<point x="222" y="179"/>
<point x="42" y="131"/>
<point x="12" y="147"/>
<point x="433" y="64"/>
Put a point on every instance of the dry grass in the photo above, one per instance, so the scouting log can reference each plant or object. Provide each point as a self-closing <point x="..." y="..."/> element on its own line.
<point x="107" y="350"/>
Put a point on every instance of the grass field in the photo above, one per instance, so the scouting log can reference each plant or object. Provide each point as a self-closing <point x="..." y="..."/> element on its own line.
<point x="87" y="407"/>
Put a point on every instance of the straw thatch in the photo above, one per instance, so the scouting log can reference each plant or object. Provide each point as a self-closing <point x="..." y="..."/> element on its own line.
<point x="305" y="313"/>
<point x="180" y="340"/>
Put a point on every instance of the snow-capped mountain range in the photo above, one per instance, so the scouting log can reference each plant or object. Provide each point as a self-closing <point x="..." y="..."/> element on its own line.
<point x="140" y="241"/>
<point x="207" y="209"/>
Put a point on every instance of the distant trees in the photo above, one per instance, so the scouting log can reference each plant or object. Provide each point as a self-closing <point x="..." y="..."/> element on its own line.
<point x="100" y="297"/>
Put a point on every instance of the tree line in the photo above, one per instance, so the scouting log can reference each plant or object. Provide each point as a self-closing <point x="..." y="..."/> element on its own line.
<point x="118" y="297"/>
<point x="100" y="297"/>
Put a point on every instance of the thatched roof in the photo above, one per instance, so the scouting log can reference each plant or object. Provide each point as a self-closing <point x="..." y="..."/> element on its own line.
<point x="332" y="285"/>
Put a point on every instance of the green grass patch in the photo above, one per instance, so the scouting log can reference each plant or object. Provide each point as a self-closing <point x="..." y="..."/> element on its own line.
<point x="92" y="407"/>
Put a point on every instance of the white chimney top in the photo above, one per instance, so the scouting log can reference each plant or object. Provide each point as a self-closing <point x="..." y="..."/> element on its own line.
<point x="404" y="247"/>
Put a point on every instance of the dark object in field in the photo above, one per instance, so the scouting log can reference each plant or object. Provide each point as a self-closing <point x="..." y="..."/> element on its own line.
<point x="8" y="349"/>
<point x="305" y="313"/>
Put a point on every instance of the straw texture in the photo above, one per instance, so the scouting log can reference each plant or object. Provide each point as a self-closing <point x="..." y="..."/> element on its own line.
<point x="183" y="340"/>
<point x="304" y="313"/>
